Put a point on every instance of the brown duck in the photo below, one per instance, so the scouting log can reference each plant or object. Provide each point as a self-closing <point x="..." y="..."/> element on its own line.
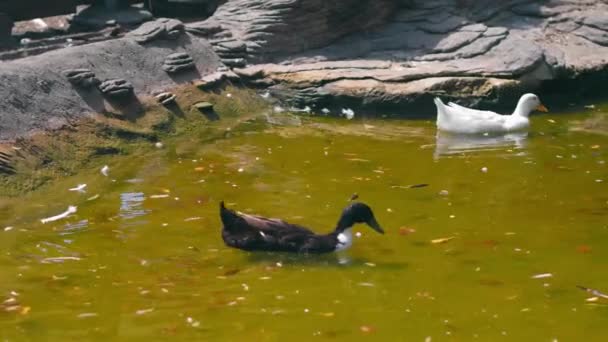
<point x="256" y="233"/>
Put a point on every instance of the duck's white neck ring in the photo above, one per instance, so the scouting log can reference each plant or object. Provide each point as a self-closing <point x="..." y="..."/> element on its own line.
<point x="345" y="239"/>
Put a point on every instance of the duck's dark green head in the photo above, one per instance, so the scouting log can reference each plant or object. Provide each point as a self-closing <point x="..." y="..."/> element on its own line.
<point x="358" y="212"/>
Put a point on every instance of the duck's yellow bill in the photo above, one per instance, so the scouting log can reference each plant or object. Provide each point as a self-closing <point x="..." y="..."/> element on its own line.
<point x="541" y="107"/>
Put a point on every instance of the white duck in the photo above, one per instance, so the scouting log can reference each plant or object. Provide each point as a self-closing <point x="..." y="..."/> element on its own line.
<point x="458" y="119"/>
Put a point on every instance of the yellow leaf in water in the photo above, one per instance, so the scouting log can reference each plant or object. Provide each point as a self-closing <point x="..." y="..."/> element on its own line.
<point x="366" y="329"/>
<point x="25" y="310"/>
<point x="442" y="240"/>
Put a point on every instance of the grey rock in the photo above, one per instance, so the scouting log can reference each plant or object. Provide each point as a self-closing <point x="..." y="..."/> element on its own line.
<point x="83" y="78"/>
<point x="235" y="62"/>
<point x="97" y="17"/>
<point x="163" y="28"/>
<point x="496" y="31"/>
<point x="165" y="98"/>
<point x="282" y="27"/>
<point x="203" y="106"/>
<point x="178" y="62"/>
<point x="595" y="19"/>
<point x="456" y="40"/>
<point x="449" y="24"/>
<point x="116" y="88"/>
<point x="592" y="34"/>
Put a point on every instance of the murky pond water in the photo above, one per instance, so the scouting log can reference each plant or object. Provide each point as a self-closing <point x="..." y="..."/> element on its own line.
<point x="142" y="259"/>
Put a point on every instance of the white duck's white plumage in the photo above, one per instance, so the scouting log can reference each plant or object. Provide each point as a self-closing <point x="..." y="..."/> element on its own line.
<point x="458" y="119"/>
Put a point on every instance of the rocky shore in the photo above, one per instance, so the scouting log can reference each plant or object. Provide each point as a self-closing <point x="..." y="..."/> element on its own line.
<point x="375" y="56"/>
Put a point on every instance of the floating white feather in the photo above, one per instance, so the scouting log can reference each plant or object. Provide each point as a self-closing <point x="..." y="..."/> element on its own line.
<point x="80" y="188"/>
<point x="71" y="210"/>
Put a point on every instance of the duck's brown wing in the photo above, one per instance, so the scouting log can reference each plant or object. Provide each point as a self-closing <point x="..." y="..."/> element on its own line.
<point x="274" y="226"/>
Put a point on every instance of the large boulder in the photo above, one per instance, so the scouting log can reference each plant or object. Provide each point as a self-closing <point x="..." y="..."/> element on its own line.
<point x="404" y="52"/>
<point x="52" y="89"/>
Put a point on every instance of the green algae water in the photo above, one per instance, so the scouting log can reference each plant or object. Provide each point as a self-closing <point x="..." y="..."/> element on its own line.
<point x="487" y="239"/>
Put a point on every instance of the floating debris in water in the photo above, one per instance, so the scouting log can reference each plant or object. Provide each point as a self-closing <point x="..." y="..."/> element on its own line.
<point x="593" y="291"/>
<point x="94" y="197"/>
<point x="228" y="95"/>
<point x="421" y="185"/>
<point x="406" y="231"/>
<point x="353" y="197"/>
<point x="367" y="329"/>
<point x="105" y="170"/>
<point x="8" y="229"/>
<point x="300" y="110"/>
<point x="87" y="315"/>
<point x="364" y="284"/>
<point x="71" y="210"/>
<point x="484" y="169"/>
<point x="583" y="249"/>
<point x="542" y="276"/>
<point x="192" y="322"/>
<point x="158" y="144"/>
<point x="80" y="188"/>
<point x="444" y="193"/>
<point x="159" y="196"/>
<point x="58" y="260"/>
<point x="195" y="218"/>
<point x="143" y="311"/>
<point x="348" y="113"/>
<point x="442" y="240"/>
<point x="241" y="169"/>
<point x="358" y="234"/>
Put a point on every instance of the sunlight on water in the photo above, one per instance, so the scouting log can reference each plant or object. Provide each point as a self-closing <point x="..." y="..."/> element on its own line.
<point x="487" y="238"/>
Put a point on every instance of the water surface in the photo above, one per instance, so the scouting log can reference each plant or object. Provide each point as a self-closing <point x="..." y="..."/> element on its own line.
<point x="143" y="259"/>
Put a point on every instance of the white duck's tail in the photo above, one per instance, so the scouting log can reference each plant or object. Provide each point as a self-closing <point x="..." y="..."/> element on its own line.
<point x="442" y="115"/>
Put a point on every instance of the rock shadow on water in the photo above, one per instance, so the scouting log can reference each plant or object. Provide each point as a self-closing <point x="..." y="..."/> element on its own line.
<point x="448" y="144"/>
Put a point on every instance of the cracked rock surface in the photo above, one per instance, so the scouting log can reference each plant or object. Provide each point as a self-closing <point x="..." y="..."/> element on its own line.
<point x="404" y="52"/>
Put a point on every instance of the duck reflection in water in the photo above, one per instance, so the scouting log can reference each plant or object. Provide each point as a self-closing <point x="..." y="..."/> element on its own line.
<point x="447" y="144"/>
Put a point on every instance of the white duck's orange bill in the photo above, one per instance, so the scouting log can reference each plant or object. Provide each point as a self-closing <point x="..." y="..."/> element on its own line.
<point x="541" y="107"/>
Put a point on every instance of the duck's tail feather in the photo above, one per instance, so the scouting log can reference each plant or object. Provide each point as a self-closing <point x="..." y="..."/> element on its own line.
<point x="228" y="216"/>
<point x="442" y="115"/>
